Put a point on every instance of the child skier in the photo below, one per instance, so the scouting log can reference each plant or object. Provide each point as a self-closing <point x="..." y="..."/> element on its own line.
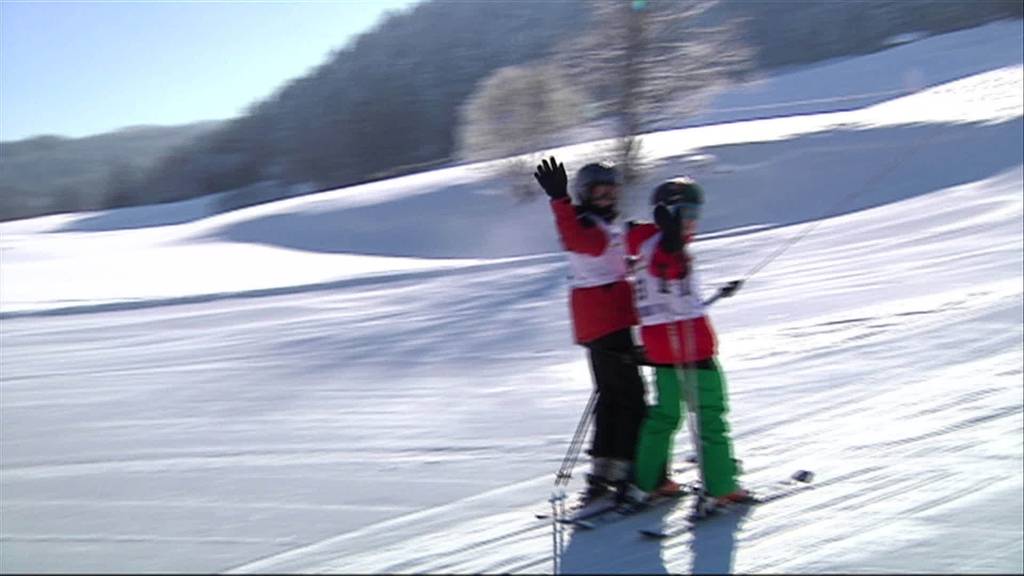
<point x="602" y="313"/>
<point x="681" y="344"/>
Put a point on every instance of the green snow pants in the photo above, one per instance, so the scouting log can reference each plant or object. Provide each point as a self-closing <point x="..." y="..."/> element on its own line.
<point x="654" y="449"/>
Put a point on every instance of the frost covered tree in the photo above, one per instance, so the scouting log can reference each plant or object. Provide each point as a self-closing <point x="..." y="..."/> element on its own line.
<point x="516" y="111"/>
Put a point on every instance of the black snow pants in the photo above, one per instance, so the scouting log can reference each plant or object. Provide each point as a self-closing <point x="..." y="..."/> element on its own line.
<point x="620" y="404"/>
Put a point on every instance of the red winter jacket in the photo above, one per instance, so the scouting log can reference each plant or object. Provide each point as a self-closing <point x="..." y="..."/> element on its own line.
<point x="681" y="341"/>
<point x="600" y="310"/>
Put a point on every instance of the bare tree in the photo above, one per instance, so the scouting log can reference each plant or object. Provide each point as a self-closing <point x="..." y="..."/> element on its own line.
<point x="647" y="62"/>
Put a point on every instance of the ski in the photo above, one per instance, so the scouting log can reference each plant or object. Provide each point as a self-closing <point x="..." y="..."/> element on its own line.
<point x="690" y="460"/>
<point x="585" y="518"/>
<point x="798" y="482"/>
<point x="596" y="509"/>
<point x="615" y="513"/>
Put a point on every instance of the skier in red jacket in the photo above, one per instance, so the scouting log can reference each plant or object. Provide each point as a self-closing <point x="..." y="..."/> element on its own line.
<point x="680" y="342"/>
<point x="602" y="313"/>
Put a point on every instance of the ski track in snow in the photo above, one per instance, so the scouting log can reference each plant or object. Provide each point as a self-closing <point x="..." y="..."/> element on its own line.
<point x="407" y="415"/>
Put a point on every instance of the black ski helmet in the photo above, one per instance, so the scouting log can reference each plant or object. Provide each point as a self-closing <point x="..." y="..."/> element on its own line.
<point x="593" y="174"/>
<point x="680" y="190"/>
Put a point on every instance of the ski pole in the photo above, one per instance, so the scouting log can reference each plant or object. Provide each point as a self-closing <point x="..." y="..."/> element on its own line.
<point x="683" y="374"/>
<point x="870" y="183"/>
<point x="693" y="401"/>
<point x="564" y="473"/>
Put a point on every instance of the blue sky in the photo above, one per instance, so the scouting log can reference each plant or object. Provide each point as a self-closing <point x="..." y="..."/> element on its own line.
<point x="77" y="68"/>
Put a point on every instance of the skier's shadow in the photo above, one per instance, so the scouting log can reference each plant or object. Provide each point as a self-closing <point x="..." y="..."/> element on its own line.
<point x="714" y="543"/>
<point x="613" y="549"/>
<point x="618" y="548"/>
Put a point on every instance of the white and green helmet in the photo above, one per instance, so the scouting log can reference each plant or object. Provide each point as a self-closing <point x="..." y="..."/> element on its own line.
<point x="681" y="194"/>
<point x="679" y="190"/>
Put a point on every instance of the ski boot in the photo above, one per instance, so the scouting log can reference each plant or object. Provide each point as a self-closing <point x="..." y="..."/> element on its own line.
<point x="632" y="500"/>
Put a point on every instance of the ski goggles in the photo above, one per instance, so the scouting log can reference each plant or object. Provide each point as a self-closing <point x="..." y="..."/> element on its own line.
<point x="686" y="210"/>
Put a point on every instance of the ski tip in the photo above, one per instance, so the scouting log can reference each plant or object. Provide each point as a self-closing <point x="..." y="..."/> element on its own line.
<point x="584" y="524"/>
<point x="805" y="476"/>
<point x="653" y="534"/>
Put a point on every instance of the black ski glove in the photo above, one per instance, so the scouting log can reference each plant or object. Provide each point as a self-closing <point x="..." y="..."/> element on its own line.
<point x="671" y="224"/>
<point x="552" y="179"/>
<point x="724" y="292"/>
<point x="730" y="288"/>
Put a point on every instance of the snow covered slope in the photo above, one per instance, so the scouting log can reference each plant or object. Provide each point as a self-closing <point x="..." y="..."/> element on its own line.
<point x="381" y="379"/>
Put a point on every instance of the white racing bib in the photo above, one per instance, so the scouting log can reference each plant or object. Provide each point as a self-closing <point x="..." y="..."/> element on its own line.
<point x="586" y="271"/>
<point x="660" y="300"/>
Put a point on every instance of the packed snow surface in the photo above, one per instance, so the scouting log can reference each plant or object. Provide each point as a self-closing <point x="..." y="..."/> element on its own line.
<point x="382" y="378"/>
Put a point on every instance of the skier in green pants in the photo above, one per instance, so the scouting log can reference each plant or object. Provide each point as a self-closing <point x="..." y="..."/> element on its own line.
<point x="681" y="344"/>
